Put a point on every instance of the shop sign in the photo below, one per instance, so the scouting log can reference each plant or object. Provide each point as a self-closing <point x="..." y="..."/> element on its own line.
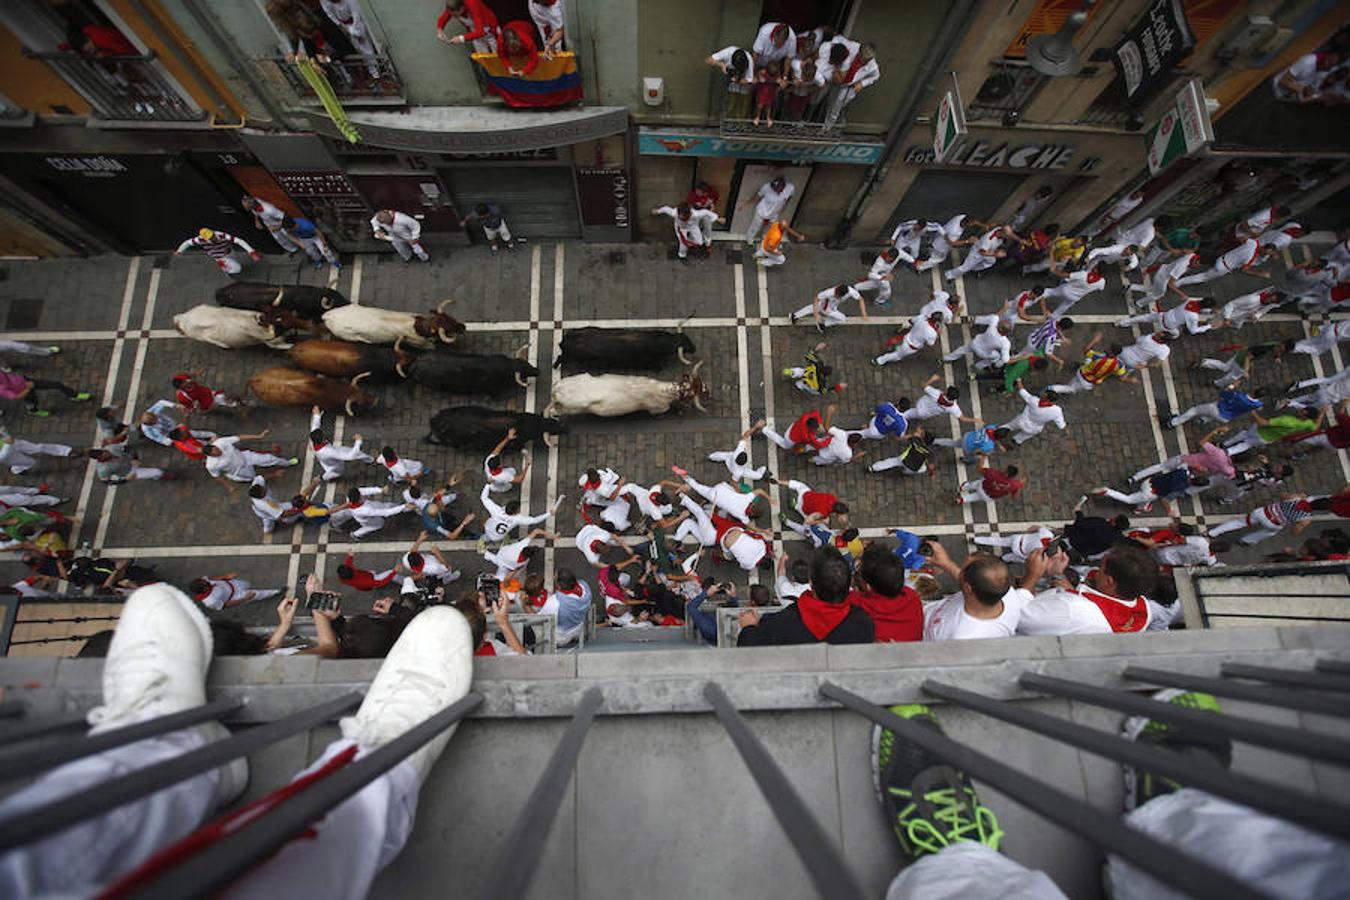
<point x="1182" y="130"/>
<point x="654" y="142"/>
<point x="605" y="197"/>
<point x="1153" y="45"/>
<point x="88" y="166"/>
<point x="316" y="184"/>
<point x="949" y="126"/>
<point x="988" y="155"/>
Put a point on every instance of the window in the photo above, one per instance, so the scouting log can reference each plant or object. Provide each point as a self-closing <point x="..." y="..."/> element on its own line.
<point x="1009" y="89"/>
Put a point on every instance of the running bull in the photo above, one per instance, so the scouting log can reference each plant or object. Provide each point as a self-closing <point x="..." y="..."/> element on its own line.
<point x="619" y="395"/>
<point x="342" y="359"/>
<point x="303" y="300"/>
<point x="372" y="325"/>
<point x="598" y="349"/>
<point x="284" y="386"/>
<point x="468" y="373"/>
<point x="236" y="328"/>
<point x="480" y="428"/>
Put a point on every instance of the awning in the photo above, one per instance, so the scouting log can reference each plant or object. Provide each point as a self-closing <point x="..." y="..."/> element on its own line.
<point x="477" y="129"/>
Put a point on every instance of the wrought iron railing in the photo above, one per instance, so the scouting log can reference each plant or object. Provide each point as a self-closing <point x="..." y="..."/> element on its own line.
<point x="354" y="79"/>
<point x="123" y="88"/>
<point x="782" y="130"/>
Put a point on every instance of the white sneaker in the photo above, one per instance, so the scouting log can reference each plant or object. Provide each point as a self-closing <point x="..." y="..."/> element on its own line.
<point x="156" y="666"/>
<point x="427" y="669"/>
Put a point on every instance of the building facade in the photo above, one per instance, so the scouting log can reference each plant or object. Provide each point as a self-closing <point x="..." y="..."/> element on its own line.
<point x="125" y="125"/>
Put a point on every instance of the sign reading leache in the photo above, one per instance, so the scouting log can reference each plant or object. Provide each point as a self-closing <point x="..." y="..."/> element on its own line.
<point x="985" y="154"/>
<point x="660" y="142"/>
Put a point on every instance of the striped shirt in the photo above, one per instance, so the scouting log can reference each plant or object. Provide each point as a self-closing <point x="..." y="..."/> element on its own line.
<point x="218" y="246"/>
<point x="1098" y="366"/>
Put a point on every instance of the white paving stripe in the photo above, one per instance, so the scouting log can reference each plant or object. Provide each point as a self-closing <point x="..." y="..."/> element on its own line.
<point x="976" y="410"/>
<point x="132" y="401"/>
<point x="948" y="375"/>
<point x="109" y="389"/>
<point x="743" y="361"/>
<point x="532" y="393"/>
<point x="551" y="484"/>
<point x="768" y="368"/>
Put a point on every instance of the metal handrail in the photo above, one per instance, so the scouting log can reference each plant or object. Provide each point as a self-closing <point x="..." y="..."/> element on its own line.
<point x="1307" y="701"/>
<point x="1195" y="877"/>
<point x="823" y="863"/>
<point x="25" y="731"/>
<point x="1290" y="677"/>
<point x="523" y="847"/>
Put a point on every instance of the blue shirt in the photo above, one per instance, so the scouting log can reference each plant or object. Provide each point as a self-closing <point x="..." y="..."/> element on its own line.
<point x="304" y="228"/>
<point x="890" y="420"/>
<point x="908" y="550"/>
<point x="819" y="535"/>
<point x="1235" y="403"/>
<point x="1171" y="485"/>
<point x="978" y="441"/>
<point x="573" y="608"/>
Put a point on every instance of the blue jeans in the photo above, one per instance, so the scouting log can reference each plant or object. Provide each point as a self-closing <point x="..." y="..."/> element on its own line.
<point x="704" y="622"/>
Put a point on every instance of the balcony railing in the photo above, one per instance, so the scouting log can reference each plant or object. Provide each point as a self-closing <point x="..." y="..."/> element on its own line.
<point x="355" y="79"/>
<point x="801" y="131"/>
<point x="124" y="88"/>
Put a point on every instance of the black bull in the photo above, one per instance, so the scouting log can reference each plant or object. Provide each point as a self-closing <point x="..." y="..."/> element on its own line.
<point x="468" y="373"/>
<point x="303" y="300"/>
<point x="480" y="428"/>
<point x="598" y="349"/>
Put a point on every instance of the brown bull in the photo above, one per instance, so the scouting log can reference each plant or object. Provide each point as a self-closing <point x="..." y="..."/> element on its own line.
<point x="283" y="386"/>
<point x="342" y="359"/>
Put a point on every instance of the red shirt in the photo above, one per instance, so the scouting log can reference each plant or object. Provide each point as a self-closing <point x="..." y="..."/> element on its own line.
<point x="897" y="619"/>
<point x="1340" y="505"/>
<point x="195" y="396"/>
<point x="702" y="199"/>
<point x="476" y="11"/>
<point x="818" y="503"/>
<point x="999" y="484"/>
<point x="485" y="649"/>
<point x="190" y="447"/>
<point x="801" y="433"/>
<point x="363" y="579"/>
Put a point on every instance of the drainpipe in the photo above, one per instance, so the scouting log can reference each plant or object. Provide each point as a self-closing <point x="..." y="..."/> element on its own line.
<point x="952" y="30"/>
<point x="227" y="49"/>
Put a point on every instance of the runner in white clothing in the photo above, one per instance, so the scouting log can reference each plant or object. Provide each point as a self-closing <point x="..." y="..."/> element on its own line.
<point x="824" y="307"/>
<point x="737" y="461"/>
<point x="499" y="476"/>
<point x="1259" y="222"/>
<point x="1326" y="337"/>
<point x="219" y="245"/>
<point x="1073" y="288"/>
<point x="1141" y="234"/>
<point x="265" y="215"/>
<point x="1124" y="255"/>
<point x="370" y="515"/>
<point x="401" y="230"/>
<point x="1242" y="258"/>
<point x="691" y="226"/>
<point x="19" y="454"/>
<point x="512" y="559"/>
<point x="922" y="333"/>
<point x="1037" y="413"/>
<point x="1014" y="309"/>
<point x="908" y="236"/>
<point x="726" y="497"/>
<point x="502" y="520"/>
<point x="24" y="495"/>
<point x="1161" y="278"/>
<point x="28" y="349"/>
<point x="1148" y="351"/>
<point x="880" y="276"/>
<point x="224" y="591"/>
<point x="840" y="450"/>
<point x="984" y="254"/>
<point x="333" y="458"/>
<point x="1185" y="315"/>
<point x="942" y="303"/>
<point x="1276" y="240"/>
<point x="401" y="469"/>
<point x="933" y="402"/>
<point x="592" y="540"/>
<point x="1249" y="308"/>
<point x="949" y="235"/>
<point x="267" y="508"/>
<point x="772" y="197"/>
<point x="1019" y="546"/>
<point x="990" y="347"/>
<point x="224" y="457"/>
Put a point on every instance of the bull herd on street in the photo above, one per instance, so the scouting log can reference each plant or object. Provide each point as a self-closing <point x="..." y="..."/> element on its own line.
<point x="333" y="346"/>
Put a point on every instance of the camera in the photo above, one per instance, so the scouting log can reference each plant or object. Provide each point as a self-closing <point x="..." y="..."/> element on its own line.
<point x="490" y="588"/>
<point x="325" y="600"/>
<point x="1058" y="545"/>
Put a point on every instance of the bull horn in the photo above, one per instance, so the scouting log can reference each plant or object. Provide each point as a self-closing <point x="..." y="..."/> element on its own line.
<point x="698" y="365"/>
<point x="356" y="379"/>
<point x="398" y="367"/>
<point x="698" y="402"/>
<point x="520" y="381"/>
<point x="348" y="406"/>
<point x="398" y="343"/>
<point x="281" y="292"/>
<point x="524" y="349"/>
<point x="548" y="412"/>
<point x="679" y="351"/>
<point x="445" y="338"/>
<point x="440" y="307"/>
<point x="549" y="439"/>
<point x="680" y="327"/>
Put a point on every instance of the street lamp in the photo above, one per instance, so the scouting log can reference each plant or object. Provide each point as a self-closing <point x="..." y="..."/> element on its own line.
<point x="1053" y="54"/>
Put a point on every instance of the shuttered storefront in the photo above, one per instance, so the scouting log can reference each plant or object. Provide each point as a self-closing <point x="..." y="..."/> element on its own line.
<point x="537" y="201"/>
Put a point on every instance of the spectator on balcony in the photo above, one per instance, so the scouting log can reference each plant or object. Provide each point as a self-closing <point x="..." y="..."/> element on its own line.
<point x="893" y="607"/>
<point x="769" y="78"/>
<point x="489" y="216"/>
<point x="849" y="80"/>
<point x="305" y="233"/>
<point x="301" y="30"/>
<point x="478" y="21"/>
<point x="775" y="41"/>
<point x="346" y="14"/>
<point x="516" y="48"/>
<point x="805" y="87"/>
<point x="736" y="66"/>
<point x="267" y="216"/>
<point x="822" y="613"/>
<point x="401" y="230"/>
<point x="704" y="196"/>
<point x="549" y="17"/>
<point x="219" y="245"/>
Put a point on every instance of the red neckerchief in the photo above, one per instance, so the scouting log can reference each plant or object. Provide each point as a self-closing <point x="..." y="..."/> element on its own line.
<point x="1094" y="277"/>
<point x="819" y="617"/>
<point x="495" y="470"/>
<point x="1043" y="403"/>
<point x="1193" y="306"/>
<point x="944" y="400"/>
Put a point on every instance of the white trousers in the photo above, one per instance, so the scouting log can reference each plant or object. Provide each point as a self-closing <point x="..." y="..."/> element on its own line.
<point x="974" y="262"/>
<point x="769" y="259"/>
<point x="317" y="249"/>
<point x="772" y="435"/>
<point x="902" y="351"/>
<point x="21" y="453"/>
<point x="1075" y="385"/>
<point x="1205" y="412"/>
<point x="1218" y="271"/>
<point x="1270" y="855"/>
<point x="883" y="289"/>
<point x="937" y="255"/>
<point x="20" y="495"/>
<point x="894" y="462"/>
<point x="408" y="249"/>
<point x="283" y="239"/>
<point x="1144" y="495"/>
<point x="229" y="265"/>
<point x="25" y="348"/>
<point x="974" y="490"/>
<point x="1316" y="345"/>
<point x="698" y="526"/>
<point x="827" y="315"/>
<point x="1261" y="524"/>
<point x="1231" y="371"/>
<point x="341" y="860"/>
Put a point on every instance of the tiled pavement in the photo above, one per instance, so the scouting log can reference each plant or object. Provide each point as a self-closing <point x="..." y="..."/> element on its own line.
<point x="114" y="318"/>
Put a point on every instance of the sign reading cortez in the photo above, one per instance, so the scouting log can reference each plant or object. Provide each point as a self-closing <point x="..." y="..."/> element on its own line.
<point x="949" y="126"/>
<point x="667" y="142"/>
<point x="1182" y="130"/>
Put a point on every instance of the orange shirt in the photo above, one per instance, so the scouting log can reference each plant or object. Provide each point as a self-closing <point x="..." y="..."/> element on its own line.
<point x="773" y="238"/>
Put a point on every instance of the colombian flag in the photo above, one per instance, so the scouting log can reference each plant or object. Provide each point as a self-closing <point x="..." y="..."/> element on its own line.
<point x="553" y="82"/>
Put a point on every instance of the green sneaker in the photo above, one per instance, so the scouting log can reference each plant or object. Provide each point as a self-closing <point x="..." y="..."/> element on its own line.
<point x="53" y="349"/>
<point x="930" y="804"/>
<point x="81" y="397"/>
<point x="40" y="413"/>
<point x="1141" y="787"/>
<point x="787" y="372"/>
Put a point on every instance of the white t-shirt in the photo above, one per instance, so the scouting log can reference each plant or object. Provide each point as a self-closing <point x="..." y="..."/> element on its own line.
<point x="1194" y="551"/>
<point x="829" y="302"/>
<point x="952" y="230"/>
<point x="788" y="590"/>
<point x="947" y="620"/>
<point x="1058" y="611"/>
<point x="763" y="45"/>
<point x="928" y="406"/>
<point x="1241" y="255"/>
<point x="937" y="305"/>
<point x="773" y="202"/>
<point x="921" y="334"/>
<point x="724" y="56"/>
<point x="836" y="451"/>
<point x="547" y="19"/>
<point x="1143" y="351"/>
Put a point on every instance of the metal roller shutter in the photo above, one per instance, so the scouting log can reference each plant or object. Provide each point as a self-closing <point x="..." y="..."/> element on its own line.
<point x="941" y="195"/>
<point x="538" y="201"/>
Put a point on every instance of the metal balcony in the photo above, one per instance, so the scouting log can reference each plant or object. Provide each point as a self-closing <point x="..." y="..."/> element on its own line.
<point x="351" y="78"/>
<point x="123" y="88"/>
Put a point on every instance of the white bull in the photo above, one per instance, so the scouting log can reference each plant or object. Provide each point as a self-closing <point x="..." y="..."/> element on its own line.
<point x="372" y="325"/>
<point x="619" y="395"/>
<point x="228" y="328"/>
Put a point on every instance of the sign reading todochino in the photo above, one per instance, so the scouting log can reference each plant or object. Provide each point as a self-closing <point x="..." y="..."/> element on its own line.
<point x="662" y="142"/>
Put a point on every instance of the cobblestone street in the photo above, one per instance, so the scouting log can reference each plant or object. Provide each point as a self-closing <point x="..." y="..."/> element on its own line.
<point x="113" y="317"/>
